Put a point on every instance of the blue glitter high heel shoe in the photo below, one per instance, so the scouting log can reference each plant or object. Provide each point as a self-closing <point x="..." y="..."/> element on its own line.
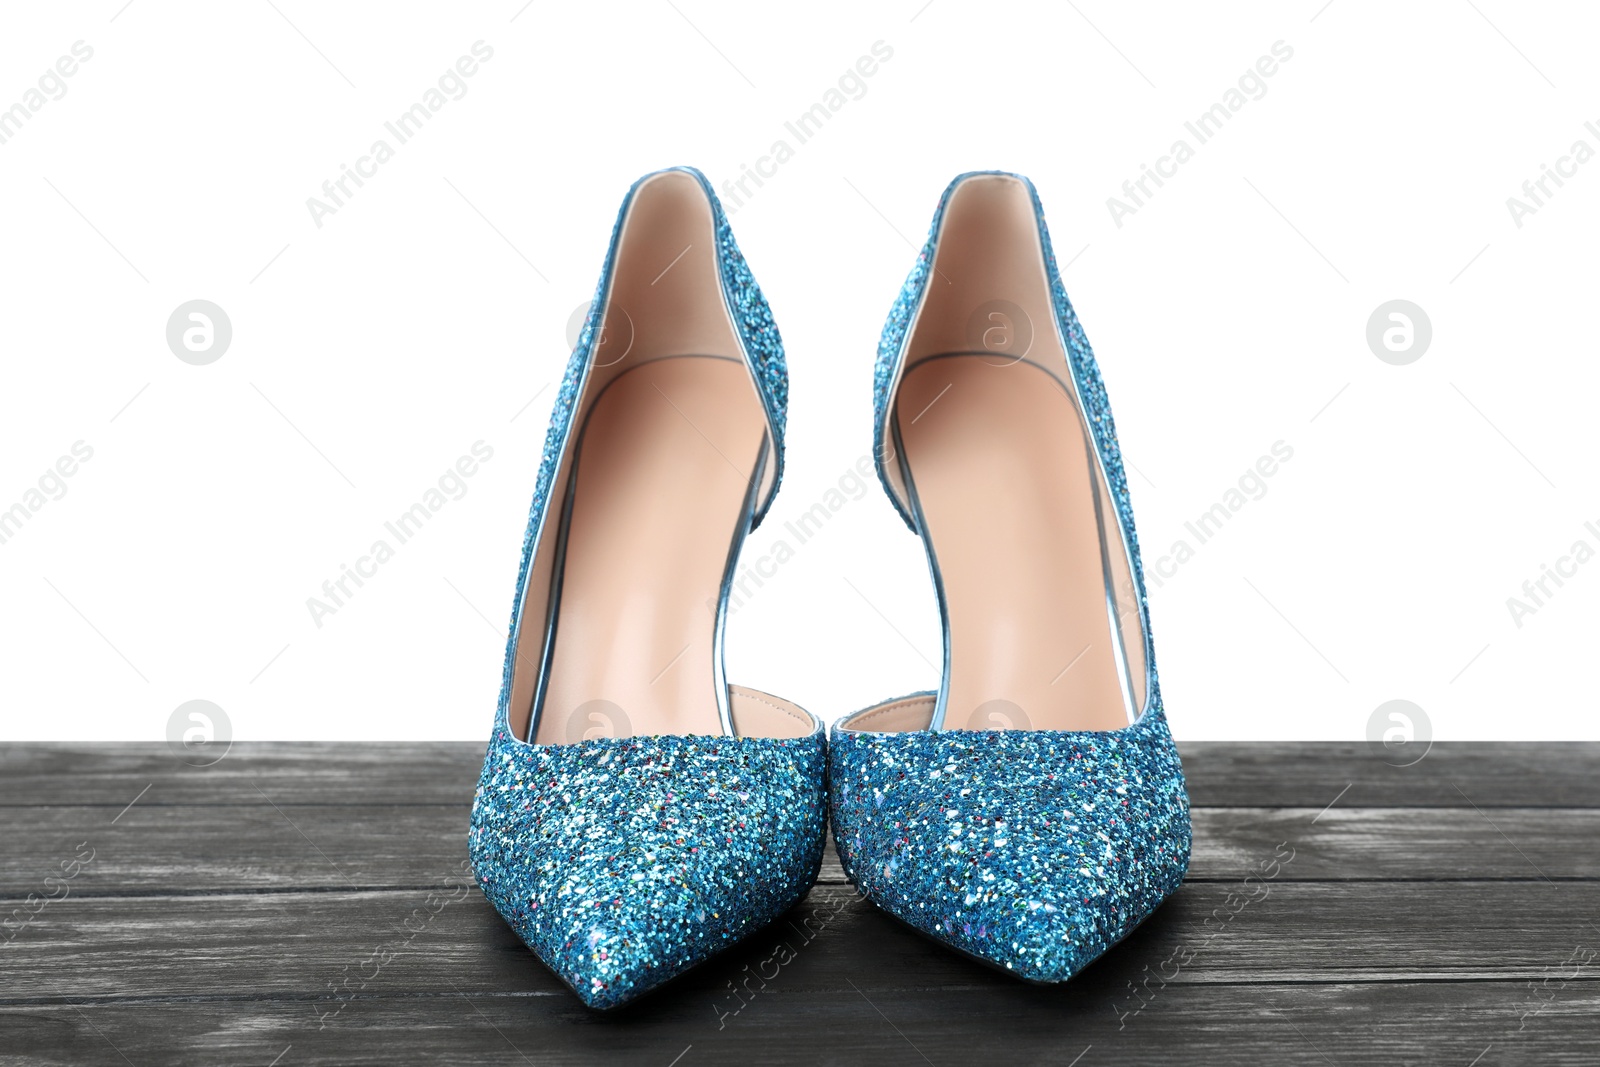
<point x="636" y="814"/>
<point x="1032" y="811"/>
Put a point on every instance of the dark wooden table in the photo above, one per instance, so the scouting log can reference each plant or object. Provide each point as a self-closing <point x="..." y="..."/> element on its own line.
<point x="305" y="903"/>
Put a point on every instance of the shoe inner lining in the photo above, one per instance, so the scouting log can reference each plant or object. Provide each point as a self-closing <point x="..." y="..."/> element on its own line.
<point x="663" y="488"/>
<point x="1044" y="631"/>
<point x="670" y="449"/>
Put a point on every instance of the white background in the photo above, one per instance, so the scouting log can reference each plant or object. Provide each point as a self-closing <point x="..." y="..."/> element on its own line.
<point x="430" y="312"/>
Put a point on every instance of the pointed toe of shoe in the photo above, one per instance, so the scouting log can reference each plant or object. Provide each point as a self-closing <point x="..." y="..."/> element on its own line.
<point x="609" y="961"/>
<point x="611" y="937"/>
<point x="1033" y="851"/>
<point x="624" y="862"/>
<point x="616" y="947"/>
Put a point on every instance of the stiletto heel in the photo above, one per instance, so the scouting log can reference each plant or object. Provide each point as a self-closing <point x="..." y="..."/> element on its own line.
<point x="636" y="814"/>
<point x="1032" y="811"/>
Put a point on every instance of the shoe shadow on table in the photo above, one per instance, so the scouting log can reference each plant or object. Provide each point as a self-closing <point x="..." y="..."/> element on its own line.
<point x="837" y="970"/>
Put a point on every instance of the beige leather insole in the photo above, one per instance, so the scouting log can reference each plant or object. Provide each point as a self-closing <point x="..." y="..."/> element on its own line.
<point x="1001" y="469"/>
<point x="664" y="472"/>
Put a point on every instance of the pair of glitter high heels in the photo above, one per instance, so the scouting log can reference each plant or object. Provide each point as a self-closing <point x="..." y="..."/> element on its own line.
<point x="637" y="814"/>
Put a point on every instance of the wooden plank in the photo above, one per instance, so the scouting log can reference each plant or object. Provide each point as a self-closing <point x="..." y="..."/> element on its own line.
<point x="1452" y="774"/>
<point x="294" y="944"/>
<point x="237" y="847"/>
<point x="261" y="847"/>
<point x="1399" y="844"/>
<point x="1085" y="1023"/>
<point x="305" y="903"/>
<point x="112" y="774"/>
<point x="1221" y="774"/>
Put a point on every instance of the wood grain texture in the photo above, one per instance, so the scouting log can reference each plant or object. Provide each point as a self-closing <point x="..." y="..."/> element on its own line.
<point x="184" y="946"/>
<point x="1084" y="1025"/>
<point x="1451" y="774"/>
<point x="307" y="903"/>
<point x="1220" y="774"/>
<point x="111" y="775"/>
<point x="241" y="847"/>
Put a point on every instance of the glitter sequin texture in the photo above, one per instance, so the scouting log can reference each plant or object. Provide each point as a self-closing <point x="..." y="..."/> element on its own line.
<point x="622" y="862"/>
<point x="1031" y="850"/>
